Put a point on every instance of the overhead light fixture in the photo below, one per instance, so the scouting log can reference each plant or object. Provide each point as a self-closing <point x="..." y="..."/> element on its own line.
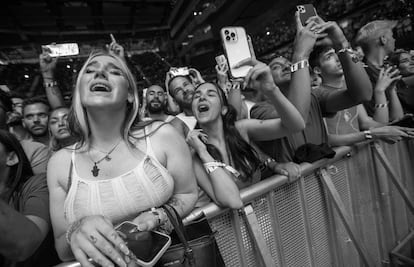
<point x="267" y="33"/>
<point x="195" y="13"/>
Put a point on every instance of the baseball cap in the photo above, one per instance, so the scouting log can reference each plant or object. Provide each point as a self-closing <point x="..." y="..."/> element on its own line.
<point x="372" y="30"/>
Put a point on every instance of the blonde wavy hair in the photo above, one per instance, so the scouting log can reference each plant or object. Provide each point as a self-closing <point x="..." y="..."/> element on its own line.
<point x="77" y="118"/>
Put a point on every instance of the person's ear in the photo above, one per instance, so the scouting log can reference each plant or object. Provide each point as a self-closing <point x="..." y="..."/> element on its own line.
<point x="383" y="40"/>
<point x="224" y="110"/>
<point x="130" y="98"/>
<point x="317" y="70"/>
<point x="12" y="159"/>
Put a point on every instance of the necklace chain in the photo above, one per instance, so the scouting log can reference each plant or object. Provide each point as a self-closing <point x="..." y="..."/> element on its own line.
<point x="95" y="170"/>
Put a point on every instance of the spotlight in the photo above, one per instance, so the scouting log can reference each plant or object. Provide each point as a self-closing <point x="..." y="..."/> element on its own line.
<point x="26" y="76"/>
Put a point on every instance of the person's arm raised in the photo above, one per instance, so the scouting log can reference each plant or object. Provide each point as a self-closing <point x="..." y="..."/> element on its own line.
<point x="47" y="68"/>
<point x="218" y="184"/>
<point x="359" y="87"/>
<point x="300" y="84"/>
<point x="260" y="78"/>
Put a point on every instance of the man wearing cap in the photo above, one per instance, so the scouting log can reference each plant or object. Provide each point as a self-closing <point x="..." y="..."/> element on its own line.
<point x="377" y="41"/>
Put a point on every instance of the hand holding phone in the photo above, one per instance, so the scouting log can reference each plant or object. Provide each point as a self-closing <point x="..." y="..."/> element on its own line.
<point x="146" y="247"/>
<point x="61" y="50"/>
<point x="305" y="12"/>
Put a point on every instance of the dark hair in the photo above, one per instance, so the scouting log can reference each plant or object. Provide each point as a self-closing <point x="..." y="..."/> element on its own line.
<point x="394" y="58"/>
<point x="315" y="55"/>
<point x="173" y="78"/>
<point x="35" y="100"/>
<point x="6" y="101"/>
<point x="243" y="155"/>
<point x="20" y="172"/>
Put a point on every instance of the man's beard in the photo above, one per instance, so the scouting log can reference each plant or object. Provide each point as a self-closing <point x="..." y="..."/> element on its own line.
<point x="156" y="110"/>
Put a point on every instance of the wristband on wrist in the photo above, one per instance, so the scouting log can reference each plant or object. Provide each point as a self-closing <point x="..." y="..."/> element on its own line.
<point x="351" y="52"/>
<point x="299" y="65"/>
<point x="50" y="84"/>
<point x="214" y="165"/>
<point x="368" y="135"/>
<point x="382" y="105"/>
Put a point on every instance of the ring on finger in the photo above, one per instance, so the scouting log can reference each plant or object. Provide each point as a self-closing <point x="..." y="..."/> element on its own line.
<point x="93" y="239"/>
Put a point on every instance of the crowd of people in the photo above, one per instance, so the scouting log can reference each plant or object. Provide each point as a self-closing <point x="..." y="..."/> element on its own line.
<point x="70" y="174"/>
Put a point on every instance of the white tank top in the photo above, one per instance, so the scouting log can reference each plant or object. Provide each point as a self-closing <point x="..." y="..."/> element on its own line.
<point x="123" y="197"/>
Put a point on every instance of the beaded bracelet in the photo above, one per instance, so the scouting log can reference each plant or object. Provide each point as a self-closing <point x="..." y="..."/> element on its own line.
<point x="69" y="232"/>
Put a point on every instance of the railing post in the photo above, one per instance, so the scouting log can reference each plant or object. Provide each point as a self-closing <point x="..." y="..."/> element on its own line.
<point x="394" y="177"/>
<point x="257" y="237"/>
<point x="345" y="217"/>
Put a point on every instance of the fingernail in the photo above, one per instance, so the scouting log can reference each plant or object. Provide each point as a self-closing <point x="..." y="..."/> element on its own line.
<point x="127" y="259"/>
<point x="121" y="262"/>
<point x="124" y="249"/>
<point x="285" y="173"/>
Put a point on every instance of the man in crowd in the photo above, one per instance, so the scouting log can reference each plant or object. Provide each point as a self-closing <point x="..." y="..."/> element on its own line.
<point x="35" y="119"/>
<point x="156" y="101"/>
<point x="295" y="83"/>
<point x="377" y="42"/>
<point x="344" y="127"/>
<point x="37" y="153"/>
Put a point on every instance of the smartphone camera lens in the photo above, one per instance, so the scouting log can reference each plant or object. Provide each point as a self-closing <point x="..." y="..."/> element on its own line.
<point x="233" y="34"/>
<point x="228" y="38"/>
<point x="226" y="32"/>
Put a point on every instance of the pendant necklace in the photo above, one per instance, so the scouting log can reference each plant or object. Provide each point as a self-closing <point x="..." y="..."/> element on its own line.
<point x="95" y="170"/>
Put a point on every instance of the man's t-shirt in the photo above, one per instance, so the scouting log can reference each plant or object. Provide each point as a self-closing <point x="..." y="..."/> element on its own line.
<point x="406" y="96"/>
<point x="37" y="154"/>
<point x="283" y="149"/>
<point x="34" y="200"/>
<point x="344" y="121"/>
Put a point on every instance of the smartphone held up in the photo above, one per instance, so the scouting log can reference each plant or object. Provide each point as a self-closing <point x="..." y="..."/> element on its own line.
<point x="61" y="50"/>
<point x="237" y="48"/>
<point x="305" y="12"/>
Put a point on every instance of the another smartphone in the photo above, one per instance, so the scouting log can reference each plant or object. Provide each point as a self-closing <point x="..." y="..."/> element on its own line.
<point x="236" y="48"/>
<point x="61" y="50"/>
<point x="179" y="71"/>
<point x="305" y="12"/>
<point x="147" y="247"/>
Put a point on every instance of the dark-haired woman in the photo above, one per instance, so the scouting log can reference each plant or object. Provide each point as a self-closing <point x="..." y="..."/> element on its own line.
<point x="225" y="160"/>
<point x="24" y="209"/>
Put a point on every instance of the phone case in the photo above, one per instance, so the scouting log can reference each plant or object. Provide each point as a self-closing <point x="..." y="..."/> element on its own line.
<point x="60" y="50"/>
<point x="305" y="12"/>
<point x="236" y="48"/>
<point x="147" y="247"/>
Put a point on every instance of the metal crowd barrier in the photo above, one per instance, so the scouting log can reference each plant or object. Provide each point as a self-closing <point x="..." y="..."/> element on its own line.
<point x="353" y="210"/>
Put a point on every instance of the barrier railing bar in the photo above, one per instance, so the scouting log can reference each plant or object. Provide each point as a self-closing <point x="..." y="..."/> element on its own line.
<point x="346" y="220"/>
<point x="258" y="189"/>
<point x="257" y="236"/>
<point x="276" y="229"/>
<point x="307" y="222"/>
<point x="395" y="251"/>
<point x="394" y="177"/>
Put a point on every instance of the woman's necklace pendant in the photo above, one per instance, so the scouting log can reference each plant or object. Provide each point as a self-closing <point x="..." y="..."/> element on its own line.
<point x="95" y="170"/>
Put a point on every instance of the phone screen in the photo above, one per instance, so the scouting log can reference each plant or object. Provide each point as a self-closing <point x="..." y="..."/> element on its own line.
<point x="60" y="50"/>
<point x="236" y="48"/>
<point x="305" y="12"/>
<point x="145" y="245"/>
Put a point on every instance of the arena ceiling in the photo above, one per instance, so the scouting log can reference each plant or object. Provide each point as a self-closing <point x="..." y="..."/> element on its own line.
<point x="25" y="25"/>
